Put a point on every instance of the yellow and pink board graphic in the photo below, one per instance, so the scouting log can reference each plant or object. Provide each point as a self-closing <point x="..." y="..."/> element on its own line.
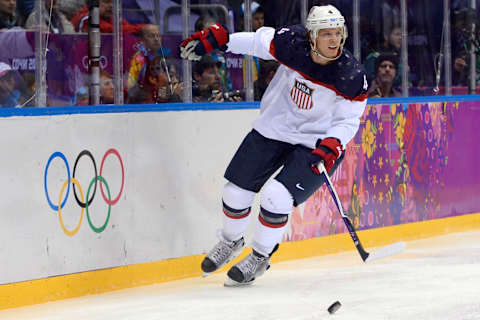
<point x="408" y="163"/>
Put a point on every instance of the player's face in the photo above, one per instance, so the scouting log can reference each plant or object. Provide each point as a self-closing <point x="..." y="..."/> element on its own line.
<point x="328" y="41"/>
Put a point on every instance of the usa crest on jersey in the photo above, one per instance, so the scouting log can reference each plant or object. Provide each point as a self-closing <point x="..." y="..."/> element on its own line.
<point x="302" y="95"/>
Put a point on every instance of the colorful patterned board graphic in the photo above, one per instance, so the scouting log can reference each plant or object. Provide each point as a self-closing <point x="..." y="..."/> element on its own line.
<point x="407" y="163"/>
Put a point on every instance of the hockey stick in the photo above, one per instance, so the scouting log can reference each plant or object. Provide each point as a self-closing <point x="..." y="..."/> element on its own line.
<point x="384" y="252"/>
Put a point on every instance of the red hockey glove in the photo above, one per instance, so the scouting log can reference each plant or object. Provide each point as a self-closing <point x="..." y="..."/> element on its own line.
<point x="328" y="151"/>
<point x="205" y="41"/>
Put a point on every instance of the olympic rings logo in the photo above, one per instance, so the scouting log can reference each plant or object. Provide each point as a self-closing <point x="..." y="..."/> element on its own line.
<point x="83" y="202"/>
<point x="103" y="62"/>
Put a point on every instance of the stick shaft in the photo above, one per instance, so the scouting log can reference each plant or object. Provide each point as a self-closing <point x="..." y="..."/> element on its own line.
<point x="364" y="254"/>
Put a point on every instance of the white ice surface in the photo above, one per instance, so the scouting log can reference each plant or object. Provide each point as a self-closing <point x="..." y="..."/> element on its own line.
<point x="436" y="278"/>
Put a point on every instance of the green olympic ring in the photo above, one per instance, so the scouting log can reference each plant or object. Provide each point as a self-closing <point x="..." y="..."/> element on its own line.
<point x="98" y="230"/>
<point x="94" y="228"/>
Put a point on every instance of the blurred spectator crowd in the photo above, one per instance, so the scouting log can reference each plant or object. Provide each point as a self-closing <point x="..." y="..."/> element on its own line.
<point x="153" y="72"/>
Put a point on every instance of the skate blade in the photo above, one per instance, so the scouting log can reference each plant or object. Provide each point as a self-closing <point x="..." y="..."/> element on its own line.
<point x="232" y="283"/>
<point x="206" y="274"/>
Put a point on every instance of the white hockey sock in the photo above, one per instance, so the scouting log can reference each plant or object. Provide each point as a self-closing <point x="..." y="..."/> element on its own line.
<point x="233" y="229"/>
<point x="276" y="204"/>
<point x="236" y="211"/>
<point x="265" y="238"/>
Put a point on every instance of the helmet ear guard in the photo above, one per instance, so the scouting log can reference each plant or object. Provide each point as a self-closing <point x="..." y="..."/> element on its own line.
<point x="325" y="17"/>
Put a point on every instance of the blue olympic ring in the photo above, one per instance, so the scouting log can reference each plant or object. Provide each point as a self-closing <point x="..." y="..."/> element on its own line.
<point x="53" y="156"/>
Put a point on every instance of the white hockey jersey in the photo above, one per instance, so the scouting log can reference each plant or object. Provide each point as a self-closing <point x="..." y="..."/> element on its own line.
<point x="304" y="101"/>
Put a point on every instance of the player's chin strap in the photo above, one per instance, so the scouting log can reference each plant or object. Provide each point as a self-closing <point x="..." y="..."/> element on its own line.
<point x="313" y="46"/>
<point x="314" y="50"/>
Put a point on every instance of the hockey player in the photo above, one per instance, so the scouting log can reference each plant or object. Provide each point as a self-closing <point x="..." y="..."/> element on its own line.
<point x="309" y="112"/>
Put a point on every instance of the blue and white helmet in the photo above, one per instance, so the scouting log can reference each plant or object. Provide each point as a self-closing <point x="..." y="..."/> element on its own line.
<point x="325" y="17"/>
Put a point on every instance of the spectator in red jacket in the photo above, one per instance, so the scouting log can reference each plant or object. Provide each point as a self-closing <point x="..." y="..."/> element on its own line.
<point x="80" y="20"/>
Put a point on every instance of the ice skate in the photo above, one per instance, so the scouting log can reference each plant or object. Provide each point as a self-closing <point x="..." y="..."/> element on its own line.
<point x="246" y="271"/>
<point x="222" y="253"/>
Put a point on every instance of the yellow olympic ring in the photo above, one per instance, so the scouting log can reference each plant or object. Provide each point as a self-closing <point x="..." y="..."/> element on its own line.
<point x="74" y="231"/>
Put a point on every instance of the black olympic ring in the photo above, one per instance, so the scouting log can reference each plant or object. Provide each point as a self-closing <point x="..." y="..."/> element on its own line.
<point x="89" y="154"/>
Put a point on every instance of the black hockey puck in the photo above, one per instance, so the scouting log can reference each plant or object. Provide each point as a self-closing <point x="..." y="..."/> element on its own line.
<point x="334" y="307"/>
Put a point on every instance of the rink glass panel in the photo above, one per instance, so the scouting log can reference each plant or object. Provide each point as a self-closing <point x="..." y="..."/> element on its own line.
<point x="67" y="77"/>
<point x="17" y="70"/>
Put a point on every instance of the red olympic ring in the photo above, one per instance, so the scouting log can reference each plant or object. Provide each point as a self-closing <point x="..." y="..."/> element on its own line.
<point x="115" y="152"/>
